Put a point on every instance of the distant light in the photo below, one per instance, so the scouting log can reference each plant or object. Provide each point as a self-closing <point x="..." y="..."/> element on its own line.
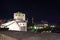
<point x="52" y="26"/>
<point x="1" y="20"/>
<point x="34" y="27"/>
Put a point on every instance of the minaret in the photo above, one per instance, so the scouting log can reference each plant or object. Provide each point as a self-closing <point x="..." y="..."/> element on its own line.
<point x="32" y="20"/>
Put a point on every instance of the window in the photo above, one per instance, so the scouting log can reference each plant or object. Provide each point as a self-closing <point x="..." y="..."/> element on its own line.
<point x="23" y="24"/>
<point x="23" y="15"/>
<point x="19" y="14"/>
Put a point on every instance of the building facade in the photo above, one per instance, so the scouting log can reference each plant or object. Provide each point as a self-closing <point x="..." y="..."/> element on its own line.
<point x="19" y="15"/>
<point x="19" y="22"/>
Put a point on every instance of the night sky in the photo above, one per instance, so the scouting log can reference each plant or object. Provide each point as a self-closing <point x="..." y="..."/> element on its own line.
<point x="40" y="10"/>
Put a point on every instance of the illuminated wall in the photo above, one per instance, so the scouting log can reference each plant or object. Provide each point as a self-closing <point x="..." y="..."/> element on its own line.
<point x="16" y="26"/>
<point x="12" y="25"/>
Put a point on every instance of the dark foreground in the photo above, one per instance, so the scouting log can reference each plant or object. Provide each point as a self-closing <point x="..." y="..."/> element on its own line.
<point x="30" y="35"/>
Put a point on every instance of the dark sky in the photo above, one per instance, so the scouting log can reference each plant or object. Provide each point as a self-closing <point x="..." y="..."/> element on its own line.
<point x="40" y="10"/>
